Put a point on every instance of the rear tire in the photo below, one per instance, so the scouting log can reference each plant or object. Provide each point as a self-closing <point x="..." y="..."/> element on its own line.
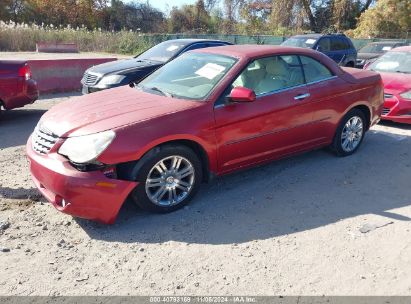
<point x="350" y="133"/>
<point x="168" y="179"/>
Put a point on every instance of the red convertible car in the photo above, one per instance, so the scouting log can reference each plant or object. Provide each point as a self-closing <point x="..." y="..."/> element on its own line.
<point x="395" y="69"/>
<point x="206" y="113"/>
<point x="16" y="86"/>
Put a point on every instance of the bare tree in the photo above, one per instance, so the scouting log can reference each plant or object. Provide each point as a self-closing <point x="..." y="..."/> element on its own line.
<point x="210" y="4"/>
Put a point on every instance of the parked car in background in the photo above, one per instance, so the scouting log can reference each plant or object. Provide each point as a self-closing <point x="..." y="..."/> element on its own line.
<point x="124" y="72"/>
<point x="336" y="46"/>
<point x="395" y="69"/>
<point x="373" y="50"/>
<point x="208" y="112"/>
<point x="17" y="88"/>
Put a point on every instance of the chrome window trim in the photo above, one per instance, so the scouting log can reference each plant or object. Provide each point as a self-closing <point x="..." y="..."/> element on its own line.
<point x="284" y="90"/>
<point x="281" y="90"/>
<point x="321" y="80"/>
<point x="295" y="87"/>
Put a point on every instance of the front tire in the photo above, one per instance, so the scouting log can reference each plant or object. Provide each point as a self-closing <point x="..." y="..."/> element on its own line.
<point x="168" y="179"/>
<point x="350" y="133"/>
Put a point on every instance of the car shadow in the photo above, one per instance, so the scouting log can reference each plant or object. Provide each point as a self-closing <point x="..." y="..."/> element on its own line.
<point x="397" y="125"/>
<point x="21" y="193"/>
<point x="281" y="198"/>
<point x="16" y="126"/>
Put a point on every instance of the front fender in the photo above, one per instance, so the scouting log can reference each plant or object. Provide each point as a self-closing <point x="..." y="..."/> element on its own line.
<point x="123" y="150"/>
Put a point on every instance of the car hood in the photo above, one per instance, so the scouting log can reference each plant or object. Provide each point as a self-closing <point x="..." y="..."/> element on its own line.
<point x="122" y="65"/>
<point x="396" y="83"/>
<point x="108" y="109"/>
<point x="367" y="56"/>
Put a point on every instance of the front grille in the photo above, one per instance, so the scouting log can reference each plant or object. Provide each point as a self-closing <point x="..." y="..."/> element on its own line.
<point x="42" y="141"/>
<point x="89" y="79"/>
<point x="385" y="111"/>
<point x="386" y="95"/>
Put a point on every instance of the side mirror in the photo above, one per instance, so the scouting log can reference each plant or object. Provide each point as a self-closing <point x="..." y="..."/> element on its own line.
<point x="241" y="94"/>
<point x="319" y="48"/>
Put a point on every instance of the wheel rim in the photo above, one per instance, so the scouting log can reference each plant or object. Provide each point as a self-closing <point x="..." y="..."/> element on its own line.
<point x="352" y="134"/>
<point x="170" y="181"/>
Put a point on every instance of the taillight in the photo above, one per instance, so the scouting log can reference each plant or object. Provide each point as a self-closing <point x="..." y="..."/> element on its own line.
<point x="25" y="72"/>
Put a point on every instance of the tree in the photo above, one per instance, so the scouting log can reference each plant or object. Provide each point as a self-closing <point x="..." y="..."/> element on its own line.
<point x="254" y="17"/>
<point x="231" y="10"/>
<point x="388" y="19"/>
<point x="190" y="18"/>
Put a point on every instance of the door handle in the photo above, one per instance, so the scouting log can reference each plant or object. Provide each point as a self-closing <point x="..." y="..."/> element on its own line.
<point x="302" y="96"/>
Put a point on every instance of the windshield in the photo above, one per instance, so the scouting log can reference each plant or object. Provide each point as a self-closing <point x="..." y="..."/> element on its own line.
<point x="375" y="48"/>
<point x="394" y="62"/>
<point x="300" y="42"/>
<point x="190" y="76"/>
<point x="162" y="52"/>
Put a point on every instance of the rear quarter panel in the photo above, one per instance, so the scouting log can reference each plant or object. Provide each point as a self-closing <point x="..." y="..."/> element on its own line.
<point x="337" y="97"/>
<point x="9" y="81"/>
<point x="15" y="90"/>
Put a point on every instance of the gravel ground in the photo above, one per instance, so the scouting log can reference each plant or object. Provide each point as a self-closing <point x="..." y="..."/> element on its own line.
<point x="313" y="224"/>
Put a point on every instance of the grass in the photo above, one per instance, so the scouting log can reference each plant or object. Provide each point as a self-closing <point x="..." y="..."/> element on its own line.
<point x="23" y="37"/>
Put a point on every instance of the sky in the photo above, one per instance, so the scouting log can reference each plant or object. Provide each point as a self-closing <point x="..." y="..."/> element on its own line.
<point x="162" y="4"/>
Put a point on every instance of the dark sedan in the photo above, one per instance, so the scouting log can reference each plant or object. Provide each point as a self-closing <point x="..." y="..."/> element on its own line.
<point x="372" y="51"/>
<point x="17" y="88"/>
<point x="119" y="73"/>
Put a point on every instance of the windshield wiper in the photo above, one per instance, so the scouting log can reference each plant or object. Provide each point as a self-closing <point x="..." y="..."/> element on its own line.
<point x="167" y="94"/>
<point x="405" y="72"/>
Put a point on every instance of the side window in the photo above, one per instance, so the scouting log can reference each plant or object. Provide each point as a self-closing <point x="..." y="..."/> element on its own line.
<point x="324" y="44"/>
<point x="314" y="70"/>
<point x="347" y="44"/>
<point x="271" y="74"/>
<point x="337" y="44"/>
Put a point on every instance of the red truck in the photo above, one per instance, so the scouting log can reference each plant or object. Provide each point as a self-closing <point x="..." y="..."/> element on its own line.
<point x="17" y="88"/>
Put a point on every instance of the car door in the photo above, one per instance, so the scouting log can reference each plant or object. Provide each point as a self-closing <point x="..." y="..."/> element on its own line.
<point x="324" y="46"/>
<point x="329" y="94"/>
<point x="275" y="124"/>
<point x="338" y="50"/>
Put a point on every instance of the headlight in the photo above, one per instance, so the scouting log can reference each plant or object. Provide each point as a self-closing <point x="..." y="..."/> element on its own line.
<point x="83" y="149"/>
<point x="406" y="95"/>
<point x="112" y="79"/>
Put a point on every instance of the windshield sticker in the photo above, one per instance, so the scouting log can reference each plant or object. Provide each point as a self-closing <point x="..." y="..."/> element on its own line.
<point x="386" y="48"/>
<point x="172" y="48"/>
<point x="387" y="65"/>
<point x="310" y="41"/>
<point x="210" y="70"/>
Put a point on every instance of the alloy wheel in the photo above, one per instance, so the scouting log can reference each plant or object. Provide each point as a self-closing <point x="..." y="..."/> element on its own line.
<point x="170" y="181"/>
<point x="352" y="134"/>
